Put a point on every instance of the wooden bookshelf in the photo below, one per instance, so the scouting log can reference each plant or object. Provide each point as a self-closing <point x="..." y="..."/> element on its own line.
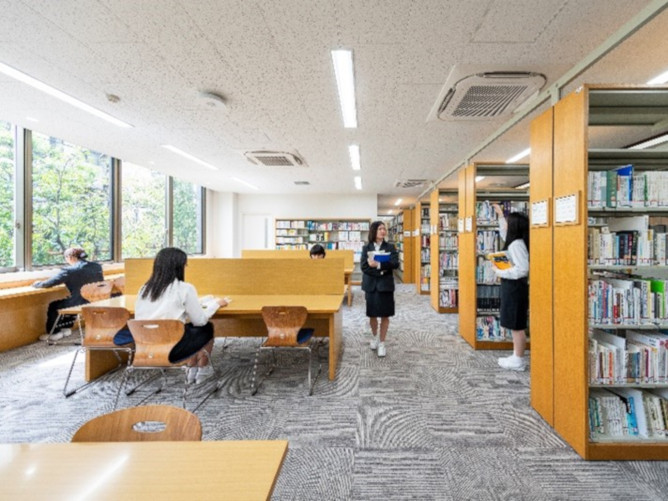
<point x="564" y="150"/>
<point x="444" y="251"/>
<point x="422" y="258"/>
<point x="472" y="228"/>
<point x="406" y="263"/>
<point x="293" y="233"/>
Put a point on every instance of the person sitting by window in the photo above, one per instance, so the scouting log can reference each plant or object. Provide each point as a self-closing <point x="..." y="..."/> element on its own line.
<point x="75" y="275"/>
<point x="317" y="252"/>
<point x="167" y="296"/>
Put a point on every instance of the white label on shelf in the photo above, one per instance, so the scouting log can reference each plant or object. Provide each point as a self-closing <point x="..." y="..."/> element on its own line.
<point x="416" y="233"/>
<point x="468" y="224"/>
<point x="539" y="212"/>
<point x="460" y="225"/>
<point x="566" y="209"/>
<point x="407" y="233"/>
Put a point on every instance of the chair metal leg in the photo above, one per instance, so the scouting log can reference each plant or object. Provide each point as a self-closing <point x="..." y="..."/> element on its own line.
<point x="254" y="387"/>
<point x="71" y="392"/>
<point x="312" y="384"/>
<point x="69" y="374"/>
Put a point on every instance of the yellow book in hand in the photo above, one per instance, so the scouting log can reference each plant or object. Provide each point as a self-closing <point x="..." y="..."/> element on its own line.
<point x="500" y="260"/>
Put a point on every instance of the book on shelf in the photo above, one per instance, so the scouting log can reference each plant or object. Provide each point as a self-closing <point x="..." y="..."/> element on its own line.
<point x="500" y="260"/>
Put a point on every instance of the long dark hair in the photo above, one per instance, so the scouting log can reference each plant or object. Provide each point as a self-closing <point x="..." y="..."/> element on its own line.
<point x="518" y="227"/>
<point x="169" y="265"/>
<point x="373" y="231"/>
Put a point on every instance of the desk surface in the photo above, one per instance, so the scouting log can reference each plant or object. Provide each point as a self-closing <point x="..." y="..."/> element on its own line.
<point x="29" y="290"/>
<point x="240" y="305"/>
<point x="141" y="470"/>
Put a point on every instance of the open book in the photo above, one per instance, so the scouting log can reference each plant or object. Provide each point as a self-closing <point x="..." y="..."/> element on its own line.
<point x="500" y="260"/>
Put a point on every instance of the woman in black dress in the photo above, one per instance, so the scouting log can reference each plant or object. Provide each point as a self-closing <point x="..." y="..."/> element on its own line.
<point x="378" y="284"/>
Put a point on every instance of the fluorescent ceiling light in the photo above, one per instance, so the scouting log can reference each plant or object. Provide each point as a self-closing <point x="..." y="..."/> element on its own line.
<point x="354" y="151"/>
<point x="358" y="182"/>
<point x="660" y="79"/>
<point x="389" y="211"/>
<point x="519" y="156"/>
<point x="47" y="89"/>
<point x="397" y="202"/>
<point x="245" y="183"/>
<point x="32" y="119"/>
<point x="522" y="186"/>
<point x="174" y="149"/>
<point x="345" y="81"/>
<point x="650" y="142"/>
<point x="479" y="178"/>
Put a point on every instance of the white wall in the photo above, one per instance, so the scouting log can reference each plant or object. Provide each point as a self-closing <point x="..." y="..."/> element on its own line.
<point x="228" y="211"/>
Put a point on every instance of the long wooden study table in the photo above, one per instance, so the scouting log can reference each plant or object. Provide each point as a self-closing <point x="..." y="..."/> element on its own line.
<point x="251" y="284"/>
<point x="141" y="470"/>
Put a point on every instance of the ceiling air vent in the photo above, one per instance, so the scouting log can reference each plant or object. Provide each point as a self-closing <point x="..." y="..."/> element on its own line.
<point x="274" y="159"/>
<point x="302" y="183"/>
<point x="487" y="95"/>
<point x="410" y="183"/>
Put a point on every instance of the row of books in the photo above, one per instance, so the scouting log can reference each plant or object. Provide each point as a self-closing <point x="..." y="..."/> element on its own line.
<point x="425" y="271"/>
<point x="488" y="241"/>
<point x="291" y="240"/>
<point x="449" y="261"/>
<point x="637" y="357"/>
<point x="488" y="297"/>
<point x="622" y="187"/>
<point x="628" y="412"/>
<point x="448" y="282"/>
<point x="425" y="240"/>
<point x="447" y="221"/>
<point x="633" y="301"/>
<point x="447" y="298"/>
<point x="449" y="241"/>
<point x="339" y="236"/>
<point x="484" y="271"/>
<point x="485" y="213"/>
<point x="489" y="329"/>
<point x="291" y="232"/>
<point x="634" y="247"/>
<point x="424" y="283"/>
<point x="425" y="255"/>
<point x="322" y="226"/>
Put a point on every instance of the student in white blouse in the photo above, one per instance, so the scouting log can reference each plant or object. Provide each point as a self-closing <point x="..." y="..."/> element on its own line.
<point x="167" y="296"/>
<point x="515" y="285"/>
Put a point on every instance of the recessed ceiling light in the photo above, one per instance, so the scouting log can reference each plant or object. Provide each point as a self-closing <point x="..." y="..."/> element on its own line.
<point x="659" y="79"/>
<point x="345" y="81"/>
<point x="650" y="142"/>
<point x="358" y="182"/>
<point x="397" y="202"/>
<point x="53" y="92"/>
<point x="245" y="183"/>
<point x="519" y="156"/>
<point x="354" y="152"/>
<point x="479" y="178"/>
<point x="32" y="119"/>
<point x="174" y="149"/>
<point x="389" y="211"/>
<point x="522" y="186"/>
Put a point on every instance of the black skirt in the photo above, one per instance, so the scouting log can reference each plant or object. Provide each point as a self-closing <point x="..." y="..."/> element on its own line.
<point x="514" y="303"/>
<point x="380" y="304"/>
<point x="194" y="338"/>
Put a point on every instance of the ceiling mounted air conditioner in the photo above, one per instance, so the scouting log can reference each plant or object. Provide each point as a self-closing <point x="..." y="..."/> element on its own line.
<point x="274" y="159"/>
<point x="485" y="95"/>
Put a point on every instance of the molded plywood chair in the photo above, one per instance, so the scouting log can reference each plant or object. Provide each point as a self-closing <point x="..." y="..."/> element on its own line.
<point x="284" y="330"/>
<point x="101" y="325"/>
<point x="141" y="424"/>
<point x="118" y="285"/>
<point x="154" y="340"/>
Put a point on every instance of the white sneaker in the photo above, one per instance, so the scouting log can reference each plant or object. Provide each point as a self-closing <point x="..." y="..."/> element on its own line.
<point x="191" y="374"/>
<point x="204" y="373"/>
<point x="66" y="332"/>
<point x="374" y="343"/>
<point x="52" y="337"/>
<point x="512" y="363"/>
<point x="381" y="349"/>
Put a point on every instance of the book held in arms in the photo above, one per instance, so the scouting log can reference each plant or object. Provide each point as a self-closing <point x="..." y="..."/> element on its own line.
<point x="500" y="260"/>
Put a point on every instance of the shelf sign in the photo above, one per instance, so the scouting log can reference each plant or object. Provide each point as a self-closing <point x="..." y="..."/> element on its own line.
<point x="566" y="209"/>
<point x="407" y="233"/>
<point x="539" y="213"/>
<point x="468" y="224"/>
<point x="460" y="225"/>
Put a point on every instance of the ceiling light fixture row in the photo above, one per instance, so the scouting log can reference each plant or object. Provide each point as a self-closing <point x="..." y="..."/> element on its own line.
<point x="519" y="156"/>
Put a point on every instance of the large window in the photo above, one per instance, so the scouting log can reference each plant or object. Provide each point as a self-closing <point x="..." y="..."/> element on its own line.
<point x="187" y="219"/>
<point x="144" y="211"/>
<point x="7" y="176"/>
<point x="71" y="201"/>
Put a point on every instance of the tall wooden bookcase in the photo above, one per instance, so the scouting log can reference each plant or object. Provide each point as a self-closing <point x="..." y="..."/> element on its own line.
<point x="444" y="251"/>
<point x="421" y="247"/>
<point x="567" y="143"/>
<point x="401" y="234"/>
<point x="470" y="290"/>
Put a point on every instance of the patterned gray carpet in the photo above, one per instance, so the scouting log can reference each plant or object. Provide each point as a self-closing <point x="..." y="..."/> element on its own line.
<point x="433" y="420"/>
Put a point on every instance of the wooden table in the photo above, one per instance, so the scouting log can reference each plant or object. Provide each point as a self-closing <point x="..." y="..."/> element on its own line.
<point x="243" y="318"/>
<point x="141" y="470"/>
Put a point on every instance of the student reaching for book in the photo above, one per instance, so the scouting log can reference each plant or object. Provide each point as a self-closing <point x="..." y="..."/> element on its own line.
<point x="514" y="284"/>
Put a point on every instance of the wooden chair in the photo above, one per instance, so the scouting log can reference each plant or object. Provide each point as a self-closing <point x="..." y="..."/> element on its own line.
<point x="285" y="330"/>
<point x="154" y="340"/>
<point x="142" y="424"/>
<point x="118" y="285"/>
<point x="101" y="325"/>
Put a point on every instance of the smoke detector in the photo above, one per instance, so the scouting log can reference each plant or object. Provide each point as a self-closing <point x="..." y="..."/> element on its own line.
<point x="212" y="100"/>
<point x="484" y="95"/>
<point x="274" y="159"/>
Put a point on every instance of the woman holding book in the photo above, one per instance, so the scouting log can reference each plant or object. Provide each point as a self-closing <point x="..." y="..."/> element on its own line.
<point x="514" y="284"/>
<point x="167" y="296"/>
<point x="378" y="283"/>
